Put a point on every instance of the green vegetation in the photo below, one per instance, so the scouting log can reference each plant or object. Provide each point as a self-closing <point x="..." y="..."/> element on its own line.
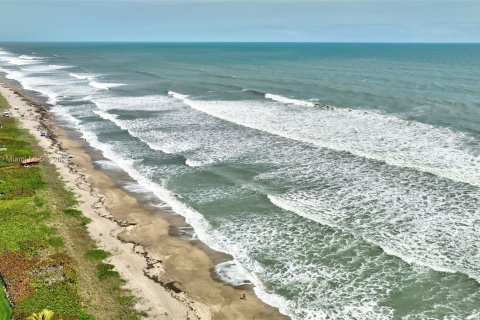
<point x="43" y="241"/>
<point x="45" y="314"/>
<point x="97" y="254"/>
<point x="105" y="271"/>
<point x="79" y="215"/>
<point x="5" y="308"/>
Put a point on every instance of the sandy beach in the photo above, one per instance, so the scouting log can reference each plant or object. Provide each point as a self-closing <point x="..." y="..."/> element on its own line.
<point x="171" y="276"/>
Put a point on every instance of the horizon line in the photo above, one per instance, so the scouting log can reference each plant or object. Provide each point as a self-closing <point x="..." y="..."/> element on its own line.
<point x="236" y="42"/>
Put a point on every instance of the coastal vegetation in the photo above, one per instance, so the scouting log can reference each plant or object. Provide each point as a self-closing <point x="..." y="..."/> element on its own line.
<point x="45" y="314"/>
<point x="5" y="308"/>
<point x="47" y="259"/>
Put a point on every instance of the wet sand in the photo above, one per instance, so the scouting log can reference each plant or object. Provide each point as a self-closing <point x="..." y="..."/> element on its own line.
<point x="171" y="274"/>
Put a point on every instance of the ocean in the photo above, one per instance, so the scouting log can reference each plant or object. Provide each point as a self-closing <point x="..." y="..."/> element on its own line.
<point x="344" y="179"/>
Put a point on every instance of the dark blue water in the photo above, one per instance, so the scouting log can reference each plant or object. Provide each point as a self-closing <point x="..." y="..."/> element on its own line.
<point x="343" y="178"/>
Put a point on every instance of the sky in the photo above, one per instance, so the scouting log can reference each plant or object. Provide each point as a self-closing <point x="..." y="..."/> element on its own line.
<point x="241" y="21"/>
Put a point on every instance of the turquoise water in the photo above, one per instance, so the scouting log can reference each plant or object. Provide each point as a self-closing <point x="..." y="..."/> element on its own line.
<point x="365" y="209"/>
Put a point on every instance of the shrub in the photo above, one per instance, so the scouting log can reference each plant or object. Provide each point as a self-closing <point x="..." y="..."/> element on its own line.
<point x="97" y="254"/>
<point x="73" y="212"/>
<point x="105" y="270"/>
<point x="45" y="314"/>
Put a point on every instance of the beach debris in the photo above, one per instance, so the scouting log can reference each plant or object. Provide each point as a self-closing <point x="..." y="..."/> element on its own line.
<point x="15" y="108"/>
<point x="125" y="223"/>
<point x="43" y="133"/>
<point x="6" y="114"/>
<point x="244" y="297"/>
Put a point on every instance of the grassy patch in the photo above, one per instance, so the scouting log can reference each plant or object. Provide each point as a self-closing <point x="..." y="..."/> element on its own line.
<point x="20" y="183"/>
<point x="83" y="221"/>
<point x="43" y="243"/>
<point x="56" y="242"/>
<point x="105" y="270"/>
<point x="66" y="303"/>
<point x="73" y="212"/>
<point x="97" y="254"/>
<point x="21" y="226"/>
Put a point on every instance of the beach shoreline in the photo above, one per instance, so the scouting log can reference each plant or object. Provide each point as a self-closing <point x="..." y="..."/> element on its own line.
<point x="171" y="276"/>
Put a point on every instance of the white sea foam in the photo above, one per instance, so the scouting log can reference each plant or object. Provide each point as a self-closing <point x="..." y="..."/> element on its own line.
<point x="282" y="99"/>
<point x="107" y="164"/>
<point x="232" y="272"/>
<point x="109" y="117"/>
<point x="17" y="60"/>
<point x="43" y="68"/>
<point x="177" y="95"/>
<point x="82" y="76"/>
<point x="210" y="195"/>
<point x="139" y="128"/>
<point x="397" y="142"/>
<point x="160" y="133"/>
<point x="58" y="67"/>
<point x="23" y="56"/>
<point x="49" y="80"/>
<point x="34" y="84"/>
<point x="338" y="274"/>
<point x="299" y="208"/>
<point x="54" y="85"/>
<point x="326" y="285"/>
<point x="143" y="103"/>
<point x="136" y="188"/>
<point x="422" y="219"/>
<point x="193" y="163"/>
<point x="114" y="119"/>
<point x="65" y="116"/>
<point x="105" y="85"/>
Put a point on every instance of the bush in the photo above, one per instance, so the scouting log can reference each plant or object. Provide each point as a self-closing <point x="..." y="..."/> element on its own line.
<point x="73" y="212"/>
<point x="105" y="270"/>
<point x="97" y="254"/>
<point x="42" y="315"/>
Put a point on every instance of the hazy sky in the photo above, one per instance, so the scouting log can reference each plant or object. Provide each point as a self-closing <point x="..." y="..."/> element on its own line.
<point x="234" y="20"/>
